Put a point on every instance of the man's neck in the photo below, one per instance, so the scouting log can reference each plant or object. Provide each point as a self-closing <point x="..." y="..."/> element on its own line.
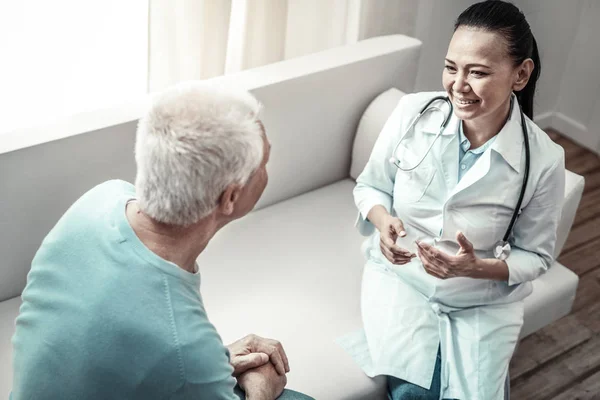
<point x="479" y="131"/>
<point x="179" y="245"/>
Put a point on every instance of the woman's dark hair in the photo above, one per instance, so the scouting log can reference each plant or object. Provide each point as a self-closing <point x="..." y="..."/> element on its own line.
<point x="506" y="19"/>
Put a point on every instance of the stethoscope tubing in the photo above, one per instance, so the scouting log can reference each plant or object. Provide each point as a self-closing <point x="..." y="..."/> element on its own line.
<point x="501" y="249"/>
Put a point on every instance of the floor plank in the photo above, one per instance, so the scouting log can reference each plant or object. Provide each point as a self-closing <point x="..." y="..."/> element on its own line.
<point x="585" y="357"/>
<point x="592" y="181"/>
<point x="543" y="384"/>
<point x="582" y="234"/>
<point x="581" y="259"/>
<point x="589" y="389"/>
<point x="589" y="207"/>
<point x="549" y="343"/>
<point x="562" y="361"/>
<point x="583" y="163"/>
<point x="588" y="290"/>
<point x="521" y="362"/>
<point x="560" y="375"/>
<point x="589" y="316"/>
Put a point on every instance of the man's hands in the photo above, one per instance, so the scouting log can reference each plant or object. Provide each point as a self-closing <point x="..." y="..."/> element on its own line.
<point x="390" y="228"/>
<point x="262" y="383"/>
<point x="443" y="266"/>
<point x="254" y="351"/>
<point x="259" y="378"/>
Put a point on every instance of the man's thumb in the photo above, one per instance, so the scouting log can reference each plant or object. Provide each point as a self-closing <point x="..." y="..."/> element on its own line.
<point x="249" y="361"/>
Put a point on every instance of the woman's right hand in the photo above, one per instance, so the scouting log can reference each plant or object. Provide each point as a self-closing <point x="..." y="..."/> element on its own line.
<point x="390" y="228"/>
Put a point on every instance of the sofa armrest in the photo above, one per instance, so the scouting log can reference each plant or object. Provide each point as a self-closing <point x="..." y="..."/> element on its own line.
<point x="573" y="191"/>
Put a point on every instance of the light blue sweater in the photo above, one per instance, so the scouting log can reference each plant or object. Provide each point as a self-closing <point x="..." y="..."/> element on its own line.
<point x="105" y="318"/>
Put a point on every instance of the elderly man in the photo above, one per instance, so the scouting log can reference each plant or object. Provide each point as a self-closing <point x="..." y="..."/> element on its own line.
<point x="112" y="308"/>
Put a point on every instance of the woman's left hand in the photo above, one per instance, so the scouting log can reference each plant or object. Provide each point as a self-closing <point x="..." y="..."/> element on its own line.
<point x="442" y="265"/>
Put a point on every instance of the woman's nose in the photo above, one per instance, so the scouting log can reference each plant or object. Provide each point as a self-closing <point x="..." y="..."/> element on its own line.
<point x="460" y="84"/>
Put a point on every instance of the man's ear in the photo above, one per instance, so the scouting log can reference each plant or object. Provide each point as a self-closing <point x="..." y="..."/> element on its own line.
<point x="229" y="198"/>
<point x="523" y="74"/>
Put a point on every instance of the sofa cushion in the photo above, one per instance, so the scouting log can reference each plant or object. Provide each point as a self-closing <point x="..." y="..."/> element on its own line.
<point x="552" y="298"/>
<point x="377" y="114"/>
<point x="371" y="123"/>
<point x="573" y="190"/>
<point x="292" y="271"/>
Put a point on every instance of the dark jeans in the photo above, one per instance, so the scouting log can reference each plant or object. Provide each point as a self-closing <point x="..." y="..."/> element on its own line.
<point x="399" y="389"/>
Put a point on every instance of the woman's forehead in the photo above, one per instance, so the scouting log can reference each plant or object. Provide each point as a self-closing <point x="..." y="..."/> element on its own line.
<point x="474" y="45"/>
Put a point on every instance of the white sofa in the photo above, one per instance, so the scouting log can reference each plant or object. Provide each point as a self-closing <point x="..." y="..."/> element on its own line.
<point x="292" y="269"/>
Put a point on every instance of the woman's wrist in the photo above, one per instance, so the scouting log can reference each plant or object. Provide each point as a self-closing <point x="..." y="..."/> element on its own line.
<point x="490" y="268"/>
<point x="377" y="215"/>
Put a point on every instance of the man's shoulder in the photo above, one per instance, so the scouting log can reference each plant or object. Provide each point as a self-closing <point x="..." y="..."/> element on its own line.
<point x="88" y="213"/>
<point x="111" y="188"/>
<point x="101" y="196"/>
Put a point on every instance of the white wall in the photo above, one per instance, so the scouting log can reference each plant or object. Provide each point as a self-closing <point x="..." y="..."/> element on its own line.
<point x="579" y="97"/>
<point x="435" y="25"/>
<point x="554" y="25"/>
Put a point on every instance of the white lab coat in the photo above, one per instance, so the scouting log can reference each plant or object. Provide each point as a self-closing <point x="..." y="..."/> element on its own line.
<point x="407" y="313"/>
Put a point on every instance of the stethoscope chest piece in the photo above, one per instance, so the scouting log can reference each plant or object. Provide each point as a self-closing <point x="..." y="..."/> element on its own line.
<point x="502" y="250"/>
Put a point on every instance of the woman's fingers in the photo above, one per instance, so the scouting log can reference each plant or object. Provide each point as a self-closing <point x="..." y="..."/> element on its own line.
<point x="394" y="248"/>
<point x="399" y="259"/>
<point x="431" y="263"/>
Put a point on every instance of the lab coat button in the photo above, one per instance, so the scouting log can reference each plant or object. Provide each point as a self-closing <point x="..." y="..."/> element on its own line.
<point x="463" y="167"/>
<point x="436" y="309"/>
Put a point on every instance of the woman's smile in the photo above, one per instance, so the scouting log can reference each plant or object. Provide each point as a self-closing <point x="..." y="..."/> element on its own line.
<point x="464" y="103"/>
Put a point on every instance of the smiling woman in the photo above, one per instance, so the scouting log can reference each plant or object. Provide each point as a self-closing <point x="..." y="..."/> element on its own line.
<point x="435" y="295"/>
<point x="479" y="80"/>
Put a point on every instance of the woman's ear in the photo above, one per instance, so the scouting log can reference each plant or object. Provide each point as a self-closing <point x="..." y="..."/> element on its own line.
<point x="229" y="198"/>
<point x="523" y="74"/>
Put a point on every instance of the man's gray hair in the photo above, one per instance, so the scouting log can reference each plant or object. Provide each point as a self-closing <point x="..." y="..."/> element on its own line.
<point x="195" y="140"/>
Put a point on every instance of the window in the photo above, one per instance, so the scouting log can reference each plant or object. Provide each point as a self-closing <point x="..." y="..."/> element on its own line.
<point x="62" y="57"/>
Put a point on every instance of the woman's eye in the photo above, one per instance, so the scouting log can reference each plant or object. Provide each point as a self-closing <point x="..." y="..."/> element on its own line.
<point x="478" y="73"/>
<point x="450" y="68"/>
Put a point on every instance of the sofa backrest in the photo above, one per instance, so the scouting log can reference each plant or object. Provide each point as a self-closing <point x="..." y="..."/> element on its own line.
<point x="377" y="113"/>
<point x="312" y="106"/>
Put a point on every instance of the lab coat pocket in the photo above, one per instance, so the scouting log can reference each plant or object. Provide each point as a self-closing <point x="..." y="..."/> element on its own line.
<point x="410" y="186"/>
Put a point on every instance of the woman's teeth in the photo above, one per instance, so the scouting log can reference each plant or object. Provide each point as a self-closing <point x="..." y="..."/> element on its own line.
<point x="466" y="101"/>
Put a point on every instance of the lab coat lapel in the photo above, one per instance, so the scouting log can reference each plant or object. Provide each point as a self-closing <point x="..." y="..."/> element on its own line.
<point x="449" y="153"/>
<point x="447" y="150"/>
<point x="477" y="171"/>
<point x="508" y="144"/>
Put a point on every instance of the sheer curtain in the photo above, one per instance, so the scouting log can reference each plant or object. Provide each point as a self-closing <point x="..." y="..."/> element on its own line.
<point x="198" y="39"/>
<point x="65" y="57"/>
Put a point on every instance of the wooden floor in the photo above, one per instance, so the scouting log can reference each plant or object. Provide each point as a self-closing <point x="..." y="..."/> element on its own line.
<point x="562" y="361"/>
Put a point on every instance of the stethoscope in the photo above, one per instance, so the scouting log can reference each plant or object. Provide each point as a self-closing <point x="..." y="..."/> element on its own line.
<point x="502" y="247"/>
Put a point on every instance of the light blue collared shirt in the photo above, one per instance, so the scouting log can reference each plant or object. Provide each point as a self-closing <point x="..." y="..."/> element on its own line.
<point x="467" y="157"/>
